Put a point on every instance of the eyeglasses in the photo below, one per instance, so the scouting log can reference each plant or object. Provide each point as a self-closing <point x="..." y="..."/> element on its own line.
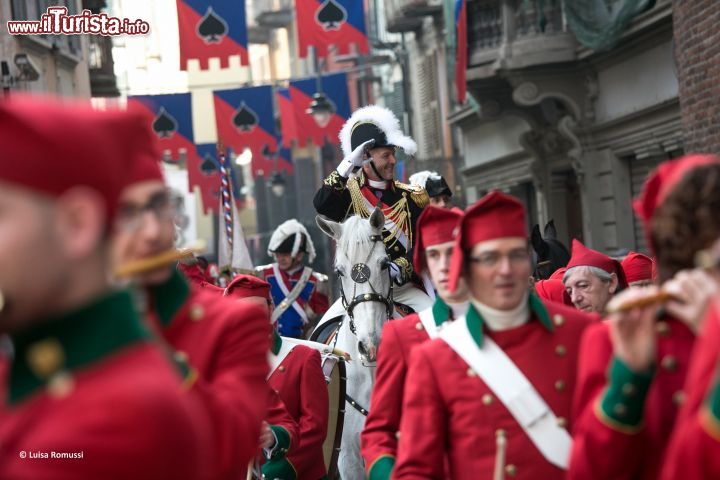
<point x="130" y="218"/>
<point x="492" y="259"/>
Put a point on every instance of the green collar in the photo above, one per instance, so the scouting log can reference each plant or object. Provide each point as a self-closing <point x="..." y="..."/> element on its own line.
<point x="72" y="341"/>
<point x="440" y="311"/>
<point x="475" y="320"/>
<point x="168" y="298"/>
<point x="276" y="343"/>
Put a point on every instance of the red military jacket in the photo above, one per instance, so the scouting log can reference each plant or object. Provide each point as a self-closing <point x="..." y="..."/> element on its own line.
<point x="225" y="342"/>
<point x="694" y="448"/>
<point x="300" y="382"/>
<point x="379" y="438"/>
<point x="91" y="396"/>
<point x="450" y="412"/>
<point x="627" y="417"/>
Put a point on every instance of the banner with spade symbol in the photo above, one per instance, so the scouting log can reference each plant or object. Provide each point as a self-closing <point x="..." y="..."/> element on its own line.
<point x="205" y="174"/>
<point x="335" y="88"/>
<point x="212" y="28"/>
<point x="172" y="123"/>
<point x="245" y="118"/>
<point x="322" y="23"/>
<point x="288" y="122"/>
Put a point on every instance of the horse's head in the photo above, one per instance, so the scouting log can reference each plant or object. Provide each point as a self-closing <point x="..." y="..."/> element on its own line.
<point x="548" y="253"/>
<point x="362" y="266"/>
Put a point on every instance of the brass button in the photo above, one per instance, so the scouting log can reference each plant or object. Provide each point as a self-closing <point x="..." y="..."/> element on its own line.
<point x="45" y="358"/>
<point x="419" y="326"/>
<point x="511" y="470"/>
<point x="181" y="356"/>
<point x="397" y="249"/>
<point x="561" y="350"/>
<point x="281" y="368"/>
<point x="669" y="363"/>
<point x="559" y="320"/>
<point x="397" y="435"/>
<point x="620" y="409"/>
<point x="629" y="389"/>
<point x="367" y="296"/>
<point x="559" y="385"/>
<point x="561" y="422"/>
<point x="662" y="328"/>
<point x="470" y="372"/>
<point x="196" y="312"/>
<point x="487" y="399"/>
<point x="60" y="385"/>
<point x="678" y="397"/>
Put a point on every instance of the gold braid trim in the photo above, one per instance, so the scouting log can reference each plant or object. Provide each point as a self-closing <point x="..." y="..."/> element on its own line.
<point x="417" y="194"/>
<point x="333" y="180"/>
<point x="405" y="268"/>
<point x="398" y="213"/>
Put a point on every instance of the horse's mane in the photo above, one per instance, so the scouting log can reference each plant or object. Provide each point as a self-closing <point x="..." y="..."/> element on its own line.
<point x="355" y="238"/>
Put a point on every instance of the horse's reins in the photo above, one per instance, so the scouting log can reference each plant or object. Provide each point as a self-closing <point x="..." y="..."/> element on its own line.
<point x="361" y="274"/>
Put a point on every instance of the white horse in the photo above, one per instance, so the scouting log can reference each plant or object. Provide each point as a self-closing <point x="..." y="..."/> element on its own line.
<point x="362" y="265"/>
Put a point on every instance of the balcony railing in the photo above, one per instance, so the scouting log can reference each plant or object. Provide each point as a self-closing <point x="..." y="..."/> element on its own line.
<point x="532" y="35"/>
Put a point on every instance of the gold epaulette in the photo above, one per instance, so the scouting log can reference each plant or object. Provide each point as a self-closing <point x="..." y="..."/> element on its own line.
<point x="417" y="194"/>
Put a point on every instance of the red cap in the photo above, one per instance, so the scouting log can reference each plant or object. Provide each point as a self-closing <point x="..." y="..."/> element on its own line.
<point x="496" y="215"/>
<point x="637" y="267"/>
<point x="243" y="286"/>
<point x="193" y="273"/>
<point x="434" y="226"/>
<point x="583" y="256"/>
<point x="552" y="290"/>
<point x="50" y="146"/>
<point x="661" y="182"/>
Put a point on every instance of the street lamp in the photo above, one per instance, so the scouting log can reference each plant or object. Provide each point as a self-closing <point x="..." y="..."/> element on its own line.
<point x="321" y="107"/>
<point x="277" y="184"/>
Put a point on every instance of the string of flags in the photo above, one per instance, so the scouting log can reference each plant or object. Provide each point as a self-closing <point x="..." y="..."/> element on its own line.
<point x="245" y="118"/>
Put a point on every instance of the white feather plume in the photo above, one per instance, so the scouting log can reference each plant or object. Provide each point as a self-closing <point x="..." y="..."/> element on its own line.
<point x="420" y="178"/>
<point x="385" y="120"/>
<point x="287" y="228"/>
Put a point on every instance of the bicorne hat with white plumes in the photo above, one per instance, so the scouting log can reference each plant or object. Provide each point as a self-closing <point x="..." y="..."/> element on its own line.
<point x="377" y="123"/>
<point x="291" y="237"/>
<point x="432" y="182"/>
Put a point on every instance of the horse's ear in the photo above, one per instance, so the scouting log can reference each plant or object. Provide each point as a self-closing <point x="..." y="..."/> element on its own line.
<point x="377" y="219"/>
<point x="550" y="231"/>
<point x="328" y="227"/>
<point x="537" y="241"/>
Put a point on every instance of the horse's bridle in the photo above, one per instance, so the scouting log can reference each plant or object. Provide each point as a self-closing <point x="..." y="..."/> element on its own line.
<point x="361" y="274"/>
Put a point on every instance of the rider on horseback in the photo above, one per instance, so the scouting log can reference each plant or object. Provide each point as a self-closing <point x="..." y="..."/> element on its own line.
<point x="365" y="179"/>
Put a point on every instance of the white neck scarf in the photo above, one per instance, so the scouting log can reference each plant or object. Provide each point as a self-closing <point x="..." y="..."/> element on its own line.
<point x="380" y="185"/>
<point x="458" y="309"/>
<point x="498" y="320"/>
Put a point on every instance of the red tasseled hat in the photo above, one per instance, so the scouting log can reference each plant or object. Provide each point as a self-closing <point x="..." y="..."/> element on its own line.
<point x="661" y="182"/>
<point x="51" y="145"/>
<point x="243" y="286"/>
<point x="434" y="226"/>
<point x="552" y="290"/>
<point x="496" y="215"/>
<point x="637" y="267"/>
<point x="583" y="256"/>
<point x="194" y="274"/>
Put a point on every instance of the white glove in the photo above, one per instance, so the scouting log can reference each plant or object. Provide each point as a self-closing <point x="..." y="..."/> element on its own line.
<point x="394" y="271"/>
<point x="355" y="159"/>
